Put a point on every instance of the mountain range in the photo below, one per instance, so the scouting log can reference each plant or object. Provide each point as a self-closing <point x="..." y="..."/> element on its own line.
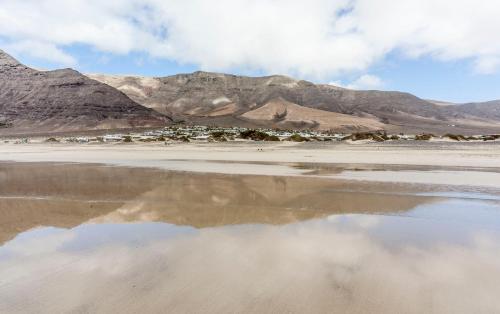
<point x="34" y="101"/>
<point x="283" y="102"/>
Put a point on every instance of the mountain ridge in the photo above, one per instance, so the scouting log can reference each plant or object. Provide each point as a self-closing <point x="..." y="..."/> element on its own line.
<point x="195" y="97"/>
<point x="66" y="100"/>
<point x="33" y="101"/>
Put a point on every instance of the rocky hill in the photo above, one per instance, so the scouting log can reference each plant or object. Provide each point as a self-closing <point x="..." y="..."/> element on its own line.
<point x="274" y="101"/>
<point x="64" y="100"/>
<point x="487" y="110"/>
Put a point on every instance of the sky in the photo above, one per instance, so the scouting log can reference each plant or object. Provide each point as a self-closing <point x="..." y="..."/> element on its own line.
<point x="436" y="49"/>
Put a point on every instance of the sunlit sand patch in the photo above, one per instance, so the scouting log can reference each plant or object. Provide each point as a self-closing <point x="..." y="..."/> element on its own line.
<point x="465" y="178"/>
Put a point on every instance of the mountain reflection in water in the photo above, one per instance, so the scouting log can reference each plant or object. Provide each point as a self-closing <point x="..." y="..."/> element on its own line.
<point x="67" y="195"/>
<point x="91" y="238"/>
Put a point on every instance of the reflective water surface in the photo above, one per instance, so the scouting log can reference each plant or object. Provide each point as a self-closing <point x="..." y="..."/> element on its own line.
<point x="92" y="238"/>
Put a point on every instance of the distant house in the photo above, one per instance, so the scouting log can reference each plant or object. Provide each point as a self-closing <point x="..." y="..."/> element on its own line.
<point x="82" y="140"/>
<point x="112" y="138"/>
<point x="201" y="137"/>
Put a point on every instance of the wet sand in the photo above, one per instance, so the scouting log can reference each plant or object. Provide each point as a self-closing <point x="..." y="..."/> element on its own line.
<point x="468" y="162"/>
<point x="67" y="195"/>
<point x="96" y="238"/>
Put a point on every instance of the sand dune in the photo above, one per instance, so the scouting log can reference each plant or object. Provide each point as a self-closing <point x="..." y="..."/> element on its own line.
<point x="283" y="113"/>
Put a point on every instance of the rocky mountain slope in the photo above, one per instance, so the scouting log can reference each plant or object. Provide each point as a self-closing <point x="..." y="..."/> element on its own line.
<point x="284" y="114"/>
<point x="274" y="101"/>
<point x="487" y="110"/>
<point x="64" y="100"/>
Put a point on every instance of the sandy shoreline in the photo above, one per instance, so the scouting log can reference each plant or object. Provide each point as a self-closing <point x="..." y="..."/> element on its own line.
<point x="473" y="164"/>
<point x="320" y="235"/>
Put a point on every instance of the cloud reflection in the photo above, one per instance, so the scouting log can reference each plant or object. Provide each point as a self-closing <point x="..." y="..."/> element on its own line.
<point x="315" y="267"/>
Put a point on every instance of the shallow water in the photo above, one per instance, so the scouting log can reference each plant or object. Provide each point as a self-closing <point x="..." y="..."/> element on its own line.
<point x="92" y="238"/>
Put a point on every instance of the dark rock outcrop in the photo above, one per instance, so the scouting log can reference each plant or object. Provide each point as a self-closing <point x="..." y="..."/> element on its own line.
<point x="34" y="101"/>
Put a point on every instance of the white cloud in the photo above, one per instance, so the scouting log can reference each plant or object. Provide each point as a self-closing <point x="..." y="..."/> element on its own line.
<point x="487" y="65"/>
<point x="41" y="50"/>
<point x="366" y="82"/>
<point x="313" y="39"/>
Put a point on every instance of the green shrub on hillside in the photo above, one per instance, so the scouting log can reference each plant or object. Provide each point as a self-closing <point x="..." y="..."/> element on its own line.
<point x="255" y="135"/>
<point x="127" y="139"/>
<point x="423" y="137"/>
<point x="298" y="138"/>
<point x="218" y="136"/>
<point x="456" y="137"/>
<point x="375" y="136"/>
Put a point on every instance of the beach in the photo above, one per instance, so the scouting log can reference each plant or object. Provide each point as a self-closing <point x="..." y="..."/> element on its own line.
<point x="249" y="227"/>
<point x="475" y="164"/>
